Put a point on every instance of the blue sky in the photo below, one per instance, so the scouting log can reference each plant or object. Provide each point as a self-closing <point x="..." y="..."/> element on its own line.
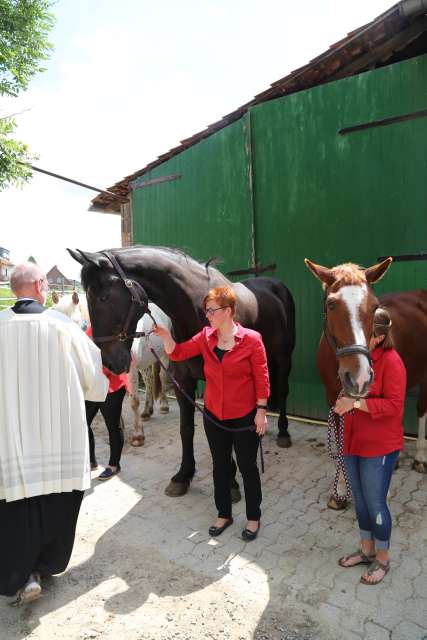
<point x="128" y="80"/>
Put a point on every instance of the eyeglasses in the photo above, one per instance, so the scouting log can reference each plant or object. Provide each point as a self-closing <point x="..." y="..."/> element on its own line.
<point x="211" y="311"/>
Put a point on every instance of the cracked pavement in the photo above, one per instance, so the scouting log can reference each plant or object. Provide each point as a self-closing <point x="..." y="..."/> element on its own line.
<point x="144" y="567"/>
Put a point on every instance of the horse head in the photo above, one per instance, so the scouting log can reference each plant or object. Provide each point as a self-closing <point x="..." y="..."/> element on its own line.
<point x="349" y="308"/>
<point x="109" y="304"/>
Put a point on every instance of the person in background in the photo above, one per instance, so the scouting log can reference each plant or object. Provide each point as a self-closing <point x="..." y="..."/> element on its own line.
<point x="373" y="438"/>
<point x="237" y="390"/>
<point x="48" y="367"/>
<point x="111" y="410"/>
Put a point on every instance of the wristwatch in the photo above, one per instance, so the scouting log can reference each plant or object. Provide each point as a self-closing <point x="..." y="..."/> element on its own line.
<point x="356" y="404"/>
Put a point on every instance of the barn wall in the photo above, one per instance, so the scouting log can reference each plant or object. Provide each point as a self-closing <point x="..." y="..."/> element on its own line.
<point x="315" y="194"/>
<point x="335" y="198"/>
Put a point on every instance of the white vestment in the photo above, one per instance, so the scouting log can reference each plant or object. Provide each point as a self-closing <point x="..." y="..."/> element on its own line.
<point x="48" y="368"/>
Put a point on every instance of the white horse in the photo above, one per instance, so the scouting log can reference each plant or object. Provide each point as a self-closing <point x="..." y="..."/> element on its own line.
<point x="153" y="375"/>
<point x="75" y="307"/>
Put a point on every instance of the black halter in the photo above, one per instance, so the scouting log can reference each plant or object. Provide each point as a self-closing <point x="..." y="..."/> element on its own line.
<point x="139" y="298"/>
<point x="341" y="352"/>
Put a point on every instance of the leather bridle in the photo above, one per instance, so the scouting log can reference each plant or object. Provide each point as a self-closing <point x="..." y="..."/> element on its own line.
<point x="341" y="352"/>
<point x="139" y="298"/>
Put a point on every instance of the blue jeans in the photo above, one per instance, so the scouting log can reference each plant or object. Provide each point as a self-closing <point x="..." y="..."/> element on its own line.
<point x="370" y="480"/>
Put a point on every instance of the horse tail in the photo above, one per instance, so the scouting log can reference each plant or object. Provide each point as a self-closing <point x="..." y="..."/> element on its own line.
<point x="157" y="385"/>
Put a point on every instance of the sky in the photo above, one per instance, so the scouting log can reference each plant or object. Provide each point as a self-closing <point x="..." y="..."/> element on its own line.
<point x="128" y="80"/>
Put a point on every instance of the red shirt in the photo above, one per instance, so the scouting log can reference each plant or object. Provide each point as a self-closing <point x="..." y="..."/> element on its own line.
<point x="116" y="381"/>
<point x="233" y="385"/>
<point x="381" y="430"/>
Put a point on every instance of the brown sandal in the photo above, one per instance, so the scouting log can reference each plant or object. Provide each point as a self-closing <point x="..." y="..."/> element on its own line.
<point x="357" y="554"/>
<point x="374" y="567"/>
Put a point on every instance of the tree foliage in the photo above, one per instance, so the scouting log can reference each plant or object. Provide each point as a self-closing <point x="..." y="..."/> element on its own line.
<point x="24" y="29"/>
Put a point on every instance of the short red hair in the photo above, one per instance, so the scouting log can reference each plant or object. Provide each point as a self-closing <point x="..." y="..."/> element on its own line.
<point x="223" y="296"/>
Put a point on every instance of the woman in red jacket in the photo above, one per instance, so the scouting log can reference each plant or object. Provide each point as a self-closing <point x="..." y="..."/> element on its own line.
<point x="111" y="410"/>
<point x="373" y="438"/>
<point x="237" y="389"/>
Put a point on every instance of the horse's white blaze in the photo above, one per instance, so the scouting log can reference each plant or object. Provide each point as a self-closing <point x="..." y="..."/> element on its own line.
<point x="353" y="296"/>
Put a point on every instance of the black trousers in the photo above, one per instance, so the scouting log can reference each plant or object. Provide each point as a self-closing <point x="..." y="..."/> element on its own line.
<point x="36" y="534"/>
<point x="245" y="444"/>
<point x="111" y="410"/>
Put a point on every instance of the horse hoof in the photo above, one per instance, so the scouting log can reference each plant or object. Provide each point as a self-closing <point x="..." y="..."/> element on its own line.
<point x="337" y="505"/>
<point x="164" y="409"/>
<point x="420" y="467"/>
<point x="236" y="496"/>
<point x="284" y="441"/>
<point x="137" y="441"/>
<point x="176" y="489"/>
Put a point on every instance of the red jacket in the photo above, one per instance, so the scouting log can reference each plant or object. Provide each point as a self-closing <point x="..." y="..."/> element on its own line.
<point x="233" y="385"/>
<point x="381" y="430"/>
<point x="115" y="381"/>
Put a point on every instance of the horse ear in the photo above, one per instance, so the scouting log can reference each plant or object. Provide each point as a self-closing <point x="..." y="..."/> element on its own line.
<point x="376" y="272"/>
<point x="84" y="257"/>
<point x="323" y="273"/>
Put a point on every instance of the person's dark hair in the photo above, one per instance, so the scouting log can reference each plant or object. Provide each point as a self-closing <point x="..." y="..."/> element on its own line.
<point x="382" y="327"/>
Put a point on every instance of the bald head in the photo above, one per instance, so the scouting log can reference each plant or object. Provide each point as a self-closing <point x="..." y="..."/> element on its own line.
<point x="27" y="280"/>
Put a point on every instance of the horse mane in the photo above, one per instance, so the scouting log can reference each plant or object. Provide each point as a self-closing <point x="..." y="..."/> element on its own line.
<point x="348" y="274"/>
<point x="174" y="253"/>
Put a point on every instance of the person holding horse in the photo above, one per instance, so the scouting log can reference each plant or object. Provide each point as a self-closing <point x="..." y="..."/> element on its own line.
<point x="111" y="410"/>
<point x="373" y="438"/>
<point x="48" y="367"/>
<point x="237" y="389"/>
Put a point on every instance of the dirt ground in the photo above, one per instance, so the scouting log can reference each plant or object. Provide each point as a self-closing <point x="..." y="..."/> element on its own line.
<point x="144" y="567"/>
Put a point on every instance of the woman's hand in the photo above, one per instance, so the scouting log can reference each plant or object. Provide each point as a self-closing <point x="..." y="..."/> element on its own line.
<point x="343" y="405"/>
<point x="261" y="421"/>
<point x="164" y="333"/>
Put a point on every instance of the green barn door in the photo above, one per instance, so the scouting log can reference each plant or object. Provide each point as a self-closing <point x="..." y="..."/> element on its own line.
<point x="207" y="210"/>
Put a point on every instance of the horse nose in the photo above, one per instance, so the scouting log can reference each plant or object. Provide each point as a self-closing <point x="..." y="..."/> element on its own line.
<point x="357" y="385"/>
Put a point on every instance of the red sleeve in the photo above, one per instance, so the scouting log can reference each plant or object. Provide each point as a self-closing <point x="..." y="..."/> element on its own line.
<point x="188" y="349"/>
<point x="393" y="391"/>
<point x="260" y="369"/>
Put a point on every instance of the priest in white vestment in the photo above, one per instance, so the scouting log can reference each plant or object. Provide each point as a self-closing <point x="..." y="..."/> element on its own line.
<point x="48" y="368"/>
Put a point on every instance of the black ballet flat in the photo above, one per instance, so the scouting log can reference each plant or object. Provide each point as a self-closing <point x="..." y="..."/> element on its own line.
<point x="249" y="535"/>
<point x="216" y="531"/>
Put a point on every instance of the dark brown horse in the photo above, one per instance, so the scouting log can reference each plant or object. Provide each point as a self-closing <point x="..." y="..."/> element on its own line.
<point x="350" y="304"/>
<point x="178" y="285"/>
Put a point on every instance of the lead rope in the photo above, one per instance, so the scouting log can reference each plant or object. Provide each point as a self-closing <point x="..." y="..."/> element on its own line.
<point x="199" y="408"/>
<point x="336" y="437"/>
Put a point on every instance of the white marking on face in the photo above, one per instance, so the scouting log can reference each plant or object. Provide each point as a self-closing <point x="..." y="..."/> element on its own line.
<point x="353" y="296"/>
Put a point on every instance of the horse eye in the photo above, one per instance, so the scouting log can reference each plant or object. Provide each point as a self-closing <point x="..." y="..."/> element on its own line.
<point x="103" y="298"/>
<point x="331" y="305"/>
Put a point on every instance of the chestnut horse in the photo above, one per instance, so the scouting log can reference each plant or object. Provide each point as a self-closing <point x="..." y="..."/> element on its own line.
<point x="349" y="308"/>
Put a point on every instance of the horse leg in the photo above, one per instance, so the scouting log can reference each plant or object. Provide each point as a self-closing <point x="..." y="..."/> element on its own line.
<point x="420" y="461"/>
<point x="180" y="482"/>
<point x="147" y="375"/>
<point x="283" y="437"/>
<point x="164" y="406"/>
<point x="137" y="439"/>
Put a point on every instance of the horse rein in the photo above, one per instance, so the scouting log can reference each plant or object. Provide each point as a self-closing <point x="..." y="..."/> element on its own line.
<point x="138" y="299"/>
<point x="341" y="352"/>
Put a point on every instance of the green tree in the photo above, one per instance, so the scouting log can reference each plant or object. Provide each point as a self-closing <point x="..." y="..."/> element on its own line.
<point x="32" y="259"/>
<point x="24" y="29"/>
